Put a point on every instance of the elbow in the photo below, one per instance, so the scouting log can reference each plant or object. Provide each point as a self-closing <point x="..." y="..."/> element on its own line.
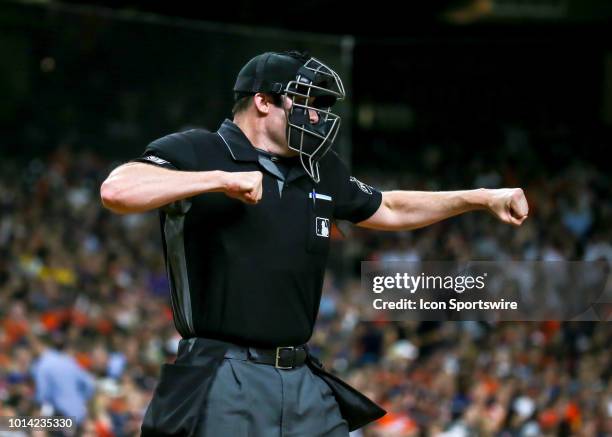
<point x="110" y="195"/>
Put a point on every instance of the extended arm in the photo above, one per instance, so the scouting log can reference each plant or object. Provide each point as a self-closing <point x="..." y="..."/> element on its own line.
<point x="139" y="187"/>
<point x="405" y="210"/>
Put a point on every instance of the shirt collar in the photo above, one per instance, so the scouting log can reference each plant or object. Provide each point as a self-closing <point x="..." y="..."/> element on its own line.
<point x="241" y="148"/>
<point x="237" y="143"/>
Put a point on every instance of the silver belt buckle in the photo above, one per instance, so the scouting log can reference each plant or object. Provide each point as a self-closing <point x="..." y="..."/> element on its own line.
<point x="278" y="350"/>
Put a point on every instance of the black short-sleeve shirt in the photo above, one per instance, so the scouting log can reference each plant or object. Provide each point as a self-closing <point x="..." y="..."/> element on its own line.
<point x="251" y="274"/>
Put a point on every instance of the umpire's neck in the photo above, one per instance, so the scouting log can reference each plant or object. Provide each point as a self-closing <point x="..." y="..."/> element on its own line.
<point x="265" y="124"/>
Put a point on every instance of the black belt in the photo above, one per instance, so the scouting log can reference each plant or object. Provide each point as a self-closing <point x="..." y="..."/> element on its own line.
<point x="283" y="357"/>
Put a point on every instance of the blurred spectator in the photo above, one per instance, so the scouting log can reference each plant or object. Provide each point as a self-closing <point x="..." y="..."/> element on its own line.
<point x="62" y="386"/>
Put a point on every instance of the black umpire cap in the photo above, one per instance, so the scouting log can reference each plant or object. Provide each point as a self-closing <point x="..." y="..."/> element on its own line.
<point x="271" y="72"/>
<point x="268" y="73"/>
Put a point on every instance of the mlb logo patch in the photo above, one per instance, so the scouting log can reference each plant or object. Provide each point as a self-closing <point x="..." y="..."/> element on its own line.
<point x="322" y="227"/>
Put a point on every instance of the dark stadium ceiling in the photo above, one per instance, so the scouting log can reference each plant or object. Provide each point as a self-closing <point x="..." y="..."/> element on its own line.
<point x="379" y="19"/>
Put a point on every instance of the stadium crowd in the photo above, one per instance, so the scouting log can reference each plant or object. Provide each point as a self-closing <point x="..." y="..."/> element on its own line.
<point x="85" y="320"/>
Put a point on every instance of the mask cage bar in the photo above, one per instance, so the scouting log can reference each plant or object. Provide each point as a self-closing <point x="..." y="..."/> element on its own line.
<point x="310" y="160"/>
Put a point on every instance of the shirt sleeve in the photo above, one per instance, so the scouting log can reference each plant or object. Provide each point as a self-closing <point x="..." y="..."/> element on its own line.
<point x="174" y="151"/>
<point x="85" y="382"/>
<point x="355" y="201"/>
<point x="41" y="383"/>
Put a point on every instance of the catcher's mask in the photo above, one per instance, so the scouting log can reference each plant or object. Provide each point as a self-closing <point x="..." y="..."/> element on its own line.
<point x="312" y="87"/>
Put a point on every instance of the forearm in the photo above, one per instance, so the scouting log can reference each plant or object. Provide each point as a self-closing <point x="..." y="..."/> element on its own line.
<point x="139" y="187"/>
<point x="405" y="210"/>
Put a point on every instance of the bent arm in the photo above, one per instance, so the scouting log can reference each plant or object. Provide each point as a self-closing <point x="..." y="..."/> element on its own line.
<point x="406" y="210"/>
<point x="138" y="187"/>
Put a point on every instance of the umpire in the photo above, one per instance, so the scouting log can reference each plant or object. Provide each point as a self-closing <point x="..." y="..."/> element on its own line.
<point x="246" y="214"/>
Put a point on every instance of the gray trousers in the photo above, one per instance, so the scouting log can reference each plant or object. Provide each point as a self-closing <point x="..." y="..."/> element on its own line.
<point x="236" y="397"/>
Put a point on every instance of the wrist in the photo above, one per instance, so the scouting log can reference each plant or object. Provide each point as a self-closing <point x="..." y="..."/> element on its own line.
<point x="215" y="181"/>
<point x="480" y="198"/>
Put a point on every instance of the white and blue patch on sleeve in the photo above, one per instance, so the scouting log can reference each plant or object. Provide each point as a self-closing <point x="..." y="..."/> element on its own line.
<point x="363" y="187"/>
<point x="156" y="160"/>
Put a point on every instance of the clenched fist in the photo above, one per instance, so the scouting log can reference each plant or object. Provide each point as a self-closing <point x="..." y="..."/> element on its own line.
<point x="509" y="205"/>
<point x="245" y="186"/>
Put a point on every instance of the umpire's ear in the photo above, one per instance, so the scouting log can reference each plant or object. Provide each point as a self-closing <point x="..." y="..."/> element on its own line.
<point x="263" y="103"/>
